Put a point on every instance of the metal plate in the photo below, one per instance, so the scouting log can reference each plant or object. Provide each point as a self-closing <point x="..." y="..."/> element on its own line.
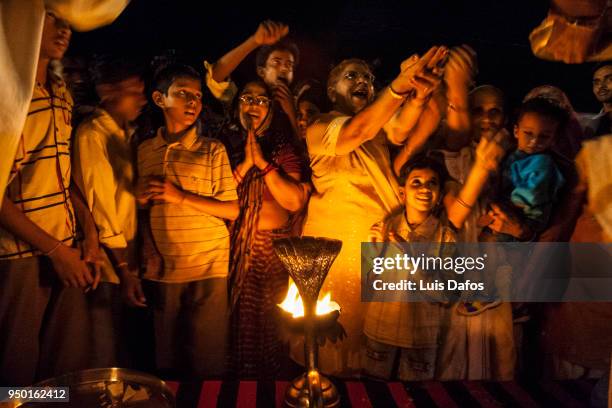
<point x="107" y="388"/>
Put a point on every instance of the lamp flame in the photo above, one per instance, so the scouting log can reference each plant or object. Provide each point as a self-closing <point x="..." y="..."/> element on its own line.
<point x="293" y="303"/>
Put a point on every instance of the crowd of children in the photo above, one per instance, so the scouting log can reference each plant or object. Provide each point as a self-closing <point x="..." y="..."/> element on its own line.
<point x="179" y="220"/>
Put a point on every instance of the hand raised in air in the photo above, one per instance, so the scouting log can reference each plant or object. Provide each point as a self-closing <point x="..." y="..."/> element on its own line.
<point x="269" y="32"/>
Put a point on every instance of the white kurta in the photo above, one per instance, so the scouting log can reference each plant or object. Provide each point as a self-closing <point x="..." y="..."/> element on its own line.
<point x="353" y="191"/>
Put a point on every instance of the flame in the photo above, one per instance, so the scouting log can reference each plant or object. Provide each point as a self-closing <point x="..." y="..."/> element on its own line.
<point x="293" y="303"/>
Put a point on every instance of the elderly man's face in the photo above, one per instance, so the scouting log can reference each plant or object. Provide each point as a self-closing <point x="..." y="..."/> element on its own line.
<point x="354" y="89"/>
<point x="602" y="84"/>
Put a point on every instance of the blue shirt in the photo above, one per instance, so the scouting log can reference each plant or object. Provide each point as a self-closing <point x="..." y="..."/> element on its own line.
<point x="531" y="182"/>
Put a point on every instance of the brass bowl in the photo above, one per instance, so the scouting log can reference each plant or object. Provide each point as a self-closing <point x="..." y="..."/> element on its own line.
<point x="105" y="388"/>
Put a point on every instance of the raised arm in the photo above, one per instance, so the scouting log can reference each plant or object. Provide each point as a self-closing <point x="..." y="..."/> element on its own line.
<point x="414" y="111"/>
<point x="366" y="124"/>
<point x="458" y="76"/>
<point x="418" y="136"/>
<point x="267" y="33"/>
<point x="488" y="155"/>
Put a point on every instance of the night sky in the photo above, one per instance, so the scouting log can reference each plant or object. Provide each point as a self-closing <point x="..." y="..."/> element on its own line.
<point x="383" y="33"/>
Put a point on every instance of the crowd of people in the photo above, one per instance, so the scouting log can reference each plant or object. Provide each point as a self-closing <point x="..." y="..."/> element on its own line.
<point x="179" y="220"/>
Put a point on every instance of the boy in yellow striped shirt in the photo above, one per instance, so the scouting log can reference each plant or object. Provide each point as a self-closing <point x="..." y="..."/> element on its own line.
<point x="186" y="182"/>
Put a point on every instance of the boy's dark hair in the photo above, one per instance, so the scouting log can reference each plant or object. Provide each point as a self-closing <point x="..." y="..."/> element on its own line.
<point x="600" y="65"/>
<point x="284" y="45"/>
<point x="166" y="75"/>
<point x="106" y="69"/>
<point x="423" y="161"/>
<point x="543" y="107"/>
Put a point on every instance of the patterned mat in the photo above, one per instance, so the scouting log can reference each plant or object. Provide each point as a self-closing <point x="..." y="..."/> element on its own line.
<point x="366" y="394"/>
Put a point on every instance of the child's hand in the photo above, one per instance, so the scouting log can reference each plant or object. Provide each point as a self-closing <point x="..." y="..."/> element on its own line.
<point x="71" y="270"/>
<point x="269" y="32"/>
<point x="506" y="222"/>
<point x="92" y="255"/>
<point x="140" y="191"/>
<point x="485" y="220"/>
<point x="131" y="290"/>
<point x="165" y="191"/>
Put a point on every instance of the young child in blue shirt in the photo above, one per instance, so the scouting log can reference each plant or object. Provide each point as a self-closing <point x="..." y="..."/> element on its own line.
<point x="530" y="178"/>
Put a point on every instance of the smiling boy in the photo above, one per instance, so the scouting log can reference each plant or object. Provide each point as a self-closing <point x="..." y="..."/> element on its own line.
<point x="410" y="335"/>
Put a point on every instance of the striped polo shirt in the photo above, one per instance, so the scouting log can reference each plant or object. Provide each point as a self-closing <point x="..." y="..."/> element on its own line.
<point x="193" y="245"/>
<point x="40" y="177"/>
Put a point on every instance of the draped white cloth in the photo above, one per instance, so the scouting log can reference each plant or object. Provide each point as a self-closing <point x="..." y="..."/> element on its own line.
<point x="21" y="24"/>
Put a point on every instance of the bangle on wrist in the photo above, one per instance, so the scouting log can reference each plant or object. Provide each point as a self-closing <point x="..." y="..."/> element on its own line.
<point x="52" y="250"/>
<point x="453" y="107"/>
<point x="270" y="167"/>
<point x="396" y="94"/>
<point x="464" y="204"/>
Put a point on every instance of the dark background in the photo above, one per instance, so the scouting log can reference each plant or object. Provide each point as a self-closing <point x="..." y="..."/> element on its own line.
<point x="384" y="33"/>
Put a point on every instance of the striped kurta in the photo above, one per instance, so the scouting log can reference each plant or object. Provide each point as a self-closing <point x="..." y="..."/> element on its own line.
<point x="193" y="245"/>
<point x="40" y="176"/>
